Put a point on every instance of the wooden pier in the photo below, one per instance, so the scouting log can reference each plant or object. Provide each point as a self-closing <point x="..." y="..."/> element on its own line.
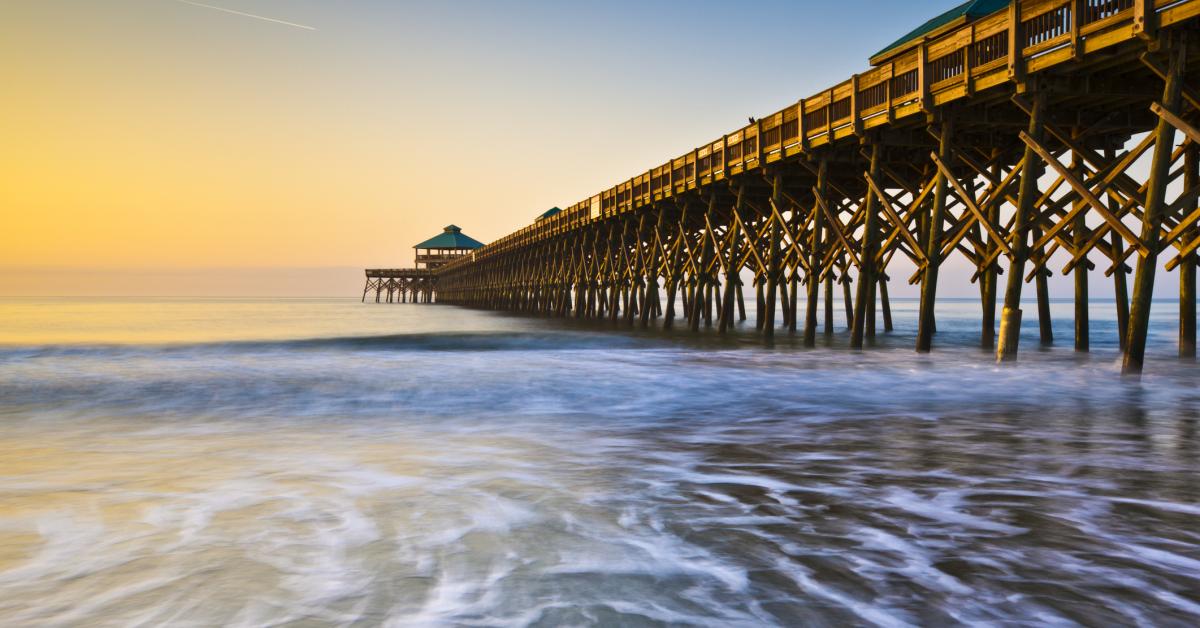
<point x="419" y="284"/>
<point x="1025" y="137"/>
<point x="400" y="285"/>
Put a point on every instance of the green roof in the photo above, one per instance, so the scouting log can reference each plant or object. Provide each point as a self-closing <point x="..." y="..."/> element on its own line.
<point x="548" y="213"/>
<point x="971" y="10"/>
<point x="451" y="237"/>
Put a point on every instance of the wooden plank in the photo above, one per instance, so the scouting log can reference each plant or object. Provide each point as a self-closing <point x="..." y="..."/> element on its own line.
<point x="1190" y="131"/>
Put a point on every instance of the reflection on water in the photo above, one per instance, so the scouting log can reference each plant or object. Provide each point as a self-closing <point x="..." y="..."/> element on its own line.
<point x="463" y="468"/>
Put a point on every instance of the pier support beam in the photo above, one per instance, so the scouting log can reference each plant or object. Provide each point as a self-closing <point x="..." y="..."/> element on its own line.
<point x="675" y="282"/>
<point x="933" y="244"/>
<point x="989" y="278"/>
<point x="1042" y="288"/>
<point x="1156" y="188"/>
<point x="702" y="295"/>
<point x="773" y="270"/>
<point x="885" y="303"/>
<point x="847" y="300"/>
<point x="1120" y="283"/>
<point x="731" y="268"/>
<point x="814" y="261"/>
<point x="1010" y="316"/>
<point x="866" y="271"/>
<point x="741" y="298"/>
<point x="650" y="289"/>
<point x="793" y="307"/>
<point x="1187" y="268"/>
<point x="760" y="306"/>
<point x="1080" y="237"/>
<point x="1121" y="291"/>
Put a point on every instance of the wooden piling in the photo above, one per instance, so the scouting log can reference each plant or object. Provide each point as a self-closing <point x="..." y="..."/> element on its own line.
<point x="1045" y="322"/>
<point x="768" y="327"/>
<point x="989" y="276"/>
<point x="814" y="262"/>
<point x="885" y="303"/>
<point x="702" y="295"/>
<point x="793" y="288"/>
<point x="731" y="271"/>
<point x="869" y="246"/>
<point x="1080" y="236"/>
<point x="741" y="299"/>
<point x="759" y="302"/>
<point x="933" y="243"/>
<point x="829" y="304"/>
<point x="1156" y="188"/>
<point x="1042" y="291"/>
<point x="847" y="300"/>
<point x="1187" y="267"/>
<point x="1010" y="316"/>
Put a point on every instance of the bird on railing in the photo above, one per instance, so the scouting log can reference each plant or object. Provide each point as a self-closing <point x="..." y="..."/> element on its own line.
<point x="752" y="120"/>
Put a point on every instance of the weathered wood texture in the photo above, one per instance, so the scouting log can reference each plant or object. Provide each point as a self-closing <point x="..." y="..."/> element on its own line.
<point x="1007" y="142"/>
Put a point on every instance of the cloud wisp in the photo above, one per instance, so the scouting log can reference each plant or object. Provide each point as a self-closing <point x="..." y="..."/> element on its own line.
<point x="243" y="14"/>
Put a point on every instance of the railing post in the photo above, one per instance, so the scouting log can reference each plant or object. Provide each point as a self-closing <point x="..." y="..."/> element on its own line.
<point x="829" y="117"/>
<point x="923" y="78"/>
<point x="1077" y="7"/>
<point x="855" y="120"/>
<point x="968" y="61"/>
<point x="891" y="77"/>
<point x="725" y="155"/>
<point x="1016" y="43"/>
<point x="801" y="114"/>
<point x="758" y="142"/>
<point x="1145" y="20"/>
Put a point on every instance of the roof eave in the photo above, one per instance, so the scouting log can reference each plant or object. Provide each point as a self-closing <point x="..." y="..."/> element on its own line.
<point x="887" y="55"/>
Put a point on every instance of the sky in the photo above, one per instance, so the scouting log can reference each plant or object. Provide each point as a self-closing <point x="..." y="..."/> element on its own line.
<point x="167" y="147"/>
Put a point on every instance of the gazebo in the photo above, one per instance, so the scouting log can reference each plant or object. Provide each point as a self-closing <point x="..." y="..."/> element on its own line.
<point x="419" y="284"/>
<point x="445" y="247"/>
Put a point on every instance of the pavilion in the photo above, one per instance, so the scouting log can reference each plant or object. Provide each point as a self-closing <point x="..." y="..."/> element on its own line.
<point x="419" y="284"/>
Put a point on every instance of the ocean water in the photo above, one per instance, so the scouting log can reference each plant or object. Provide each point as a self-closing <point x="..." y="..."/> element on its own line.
<point x="326" y="463"/>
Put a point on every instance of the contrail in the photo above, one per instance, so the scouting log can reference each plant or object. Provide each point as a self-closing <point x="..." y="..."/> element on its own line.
<point x="257" y="17"/>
